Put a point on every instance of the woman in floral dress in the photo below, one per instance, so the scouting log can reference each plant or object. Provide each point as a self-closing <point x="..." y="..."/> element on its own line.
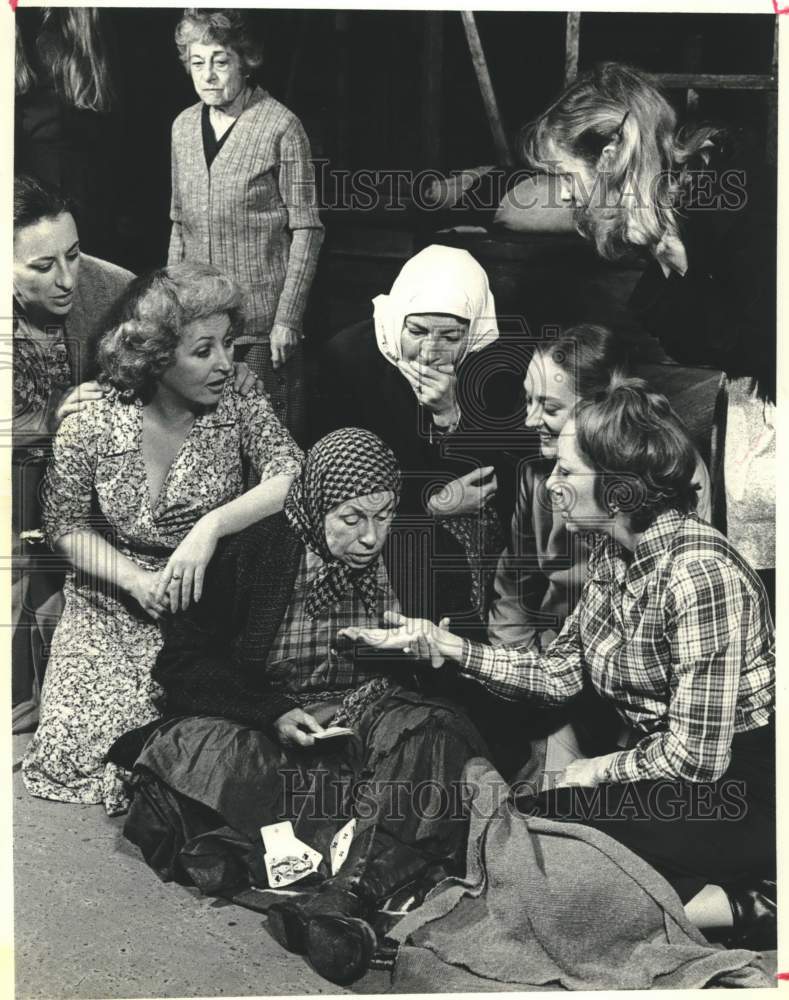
<point x="143" y="484"/>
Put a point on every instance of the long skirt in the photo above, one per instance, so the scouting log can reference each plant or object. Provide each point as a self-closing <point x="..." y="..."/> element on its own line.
<point x="205" y="787"/>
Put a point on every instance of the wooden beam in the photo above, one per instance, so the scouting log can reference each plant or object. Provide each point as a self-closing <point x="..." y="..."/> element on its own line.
<point x="772" y="106"/>
<point x="716" y="81"/>
<point x="572" y="46"/>
<point x="432" y="90"/>
<point x="480" y="64"/>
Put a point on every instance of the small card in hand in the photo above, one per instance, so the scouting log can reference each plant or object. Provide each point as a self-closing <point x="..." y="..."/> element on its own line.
<point x="333" y="732"/>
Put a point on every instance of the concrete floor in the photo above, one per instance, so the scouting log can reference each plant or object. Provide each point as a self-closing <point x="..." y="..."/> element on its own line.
<point x="93" y="921"/>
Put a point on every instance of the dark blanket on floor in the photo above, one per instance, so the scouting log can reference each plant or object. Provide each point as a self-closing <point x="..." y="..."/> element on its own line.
<point x="547" y="905"/>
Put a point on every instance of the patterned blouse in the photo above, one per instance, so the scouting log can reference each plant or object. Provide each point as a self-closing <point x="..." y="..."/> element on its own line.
<point x="678" y="638"/>
<point x="41" y="367"/>
<point x="98" y="454"/>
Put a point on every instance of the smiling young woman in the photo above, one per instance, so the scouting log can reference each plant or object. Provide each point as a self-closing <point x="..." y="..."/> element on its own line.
<point x="161" y="455"/>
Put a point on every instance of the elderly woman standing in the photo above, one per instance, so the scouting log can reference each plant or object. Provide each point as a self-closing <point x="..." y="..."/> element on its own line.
<point x="243" y="197"/>
<point x="159" y="462"/>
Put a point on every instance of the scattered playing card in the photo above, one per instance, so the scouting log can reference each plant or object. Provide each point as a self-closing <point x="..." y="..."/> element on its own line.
<point x="287" y="858"/>
<point x="341" y="844"/>
<point x="283" y="869"/>
<point x="333" y="732"/>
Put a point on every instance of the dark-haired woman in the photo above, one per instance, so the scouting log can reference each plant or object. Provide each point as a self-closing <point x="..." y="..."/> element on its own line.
<point x="61" y="296"/>
<point x="673" y="629"/>
<point x="161" y="458"/>
<point x="243" y="197"/>
<point x="703" y="216"/>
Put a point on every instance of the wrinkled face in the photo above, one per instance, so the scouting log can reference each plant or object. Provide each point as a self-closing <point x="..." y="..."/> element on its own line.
<point x="46" y="266"/>
<point x="434" y="338"/>
<point x="202" y="363"/>
<point x="356" y="529"/>
<point x="550" y="398"/>
<point x="217" y="73"/>
<point x="571" y="486"/>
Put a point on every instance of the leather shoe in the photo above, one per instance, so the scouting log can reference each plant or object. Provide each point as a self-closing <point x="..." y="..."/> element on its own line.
<point x="288" y="920"/>
<point x="754" y="910"/>
<point x="340" y="948"/>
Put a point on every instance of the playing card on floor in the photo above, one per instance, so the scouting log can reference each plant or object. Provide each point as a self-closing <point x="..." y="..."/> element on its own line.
<point x="341" y="844"/>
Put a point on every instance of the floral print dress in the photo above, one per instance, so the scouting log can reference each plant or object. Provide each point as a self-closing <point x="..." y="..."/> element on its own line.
<point x="98" y="683"/>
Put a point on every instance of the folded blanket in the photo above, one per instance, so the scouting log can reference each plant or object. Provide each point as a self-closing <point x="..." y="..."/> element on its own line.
<point x="547" y="905"/>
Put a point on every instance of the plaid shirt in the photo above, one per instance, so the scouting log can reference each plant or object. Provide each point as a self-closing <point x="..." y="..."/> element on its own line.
<point x="679" y="639"/>
<point x="306" y="657"/>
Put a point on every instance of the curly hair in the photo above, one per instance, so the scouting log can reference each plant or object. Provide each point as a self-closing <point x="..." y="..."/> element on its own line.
<point x="617" y="121"/>
<point x="223" y="26"/>
<point x="644" y="458"/>
<point x="146" y="324"/>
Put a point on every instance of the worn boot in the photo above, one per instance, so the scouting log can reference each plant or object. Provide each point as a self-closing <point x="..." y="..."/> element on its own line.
<point x="288" y="920"/>
<point x="341" y="945"/>
<point x="754" y="910"/>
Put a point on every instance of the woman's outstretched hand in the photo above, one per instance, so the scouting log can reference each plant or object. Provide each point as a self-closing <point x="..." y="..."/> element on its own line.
<point x="415" y="636"/>
<point x="182" y="578"/>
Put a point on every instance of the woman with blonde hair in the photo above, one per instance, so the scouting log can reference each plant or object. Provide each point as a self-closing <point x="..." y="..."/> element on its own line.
<point x="66" y="104"/>
<point x="704" y="219"/>
<point x="144" y="482"/>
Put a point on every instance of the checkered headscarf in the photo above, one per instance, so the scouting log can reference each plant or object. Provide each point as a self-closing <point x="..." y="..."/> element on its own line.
<point x="345" y="464"/>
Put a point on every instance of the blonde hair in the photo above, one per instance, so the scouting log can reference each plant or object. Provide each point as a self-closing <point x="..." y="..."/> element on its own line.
<point x="146" y="324"/>
<point x="617" y="121"/>
<point x="71" y="49"/>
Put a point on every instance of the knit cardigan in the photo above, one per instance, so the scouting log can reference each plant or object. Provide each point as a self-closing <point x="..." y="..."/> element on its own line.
<point x="253" y="214"/>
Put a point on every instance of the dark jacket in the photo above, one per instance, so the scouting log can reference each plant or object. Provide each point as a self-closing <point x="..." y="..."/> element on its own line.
<point x="722" y="312"/>
<point x="214" y="655"/>
<point x="358" y="387"/>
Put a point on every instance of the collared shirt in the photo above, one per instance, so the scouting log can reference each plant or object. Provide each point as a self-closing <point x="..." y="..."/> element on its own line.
<point x="306" y="657"/>
<point x="679" y="638"/>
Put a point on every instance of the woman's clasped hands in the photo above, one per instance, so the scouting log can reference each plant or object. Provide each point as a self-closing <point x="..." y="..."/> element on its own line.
<point x="417" y="637"/>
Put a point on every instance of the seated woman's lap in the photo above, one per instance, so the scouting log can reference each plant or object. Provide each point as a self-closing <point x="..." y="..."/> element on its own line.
<point x="693" y="833"/>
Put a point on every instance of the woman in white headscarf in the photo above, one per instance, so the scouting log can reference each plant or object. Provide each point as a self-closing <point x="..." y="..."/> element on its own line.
<point x="429" y="375"/>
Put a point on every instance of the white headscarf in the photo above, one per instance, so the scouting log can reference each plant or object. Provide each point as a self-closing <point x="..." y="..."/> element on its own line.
<point x="437" y="280"/>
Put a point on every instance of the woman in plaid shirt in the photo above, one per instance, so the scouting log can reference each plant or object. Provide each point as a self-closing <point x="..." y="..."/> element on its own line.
<point x="674" y="630"/>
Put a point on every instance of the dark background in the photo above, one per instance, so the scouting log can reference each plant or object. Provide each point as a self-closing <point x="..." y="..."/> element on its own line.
<point x="356" y="80"/>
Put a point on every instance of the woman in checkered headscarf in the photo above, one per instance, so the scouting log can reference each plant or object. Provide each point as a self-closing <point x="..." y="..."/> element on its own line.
<point x="255" y="672"/>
